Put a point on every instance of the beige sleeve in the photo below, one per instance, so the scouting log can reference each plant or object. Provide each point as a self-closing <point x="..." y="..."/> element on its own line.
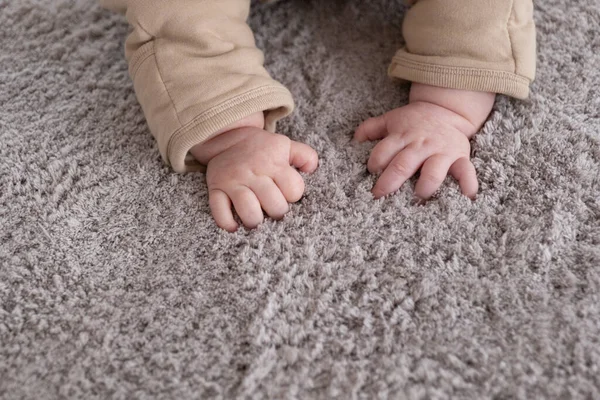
<point x="480" y="45"/>
<point x="196" y="69"/>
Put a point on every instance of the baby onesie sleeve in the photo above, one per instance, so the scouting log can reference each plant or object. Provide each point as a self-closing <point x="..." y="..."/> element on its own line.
<point x="195" y="70"/>
<point x="479" y="45"/>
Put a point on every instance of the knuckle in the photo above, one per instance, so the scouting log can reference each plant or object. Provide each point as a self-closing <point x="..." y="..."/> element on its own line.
<point x="464" y="153"/>
<point x="399" y="168"/>
<point x="465" y="165"/>
<point x="434" y="144"/>
<point x="216" y="191"/>
<point x="281" y="140"/>
<point x="426" y="141"/>
<point x="419" y="142"/>
<point x="432" y="178"/>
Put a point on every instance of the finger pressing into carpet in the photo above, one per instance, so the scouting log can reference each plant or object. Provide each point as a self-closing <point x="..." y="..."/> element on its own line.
<point x="247" y="206"/>
<point x="291" y="184"/>
<point x="403" y="166"/>
<point x="464" y="172"/>
<point x="371" y="129"/>
<point x="433" y="172"/>
<point x="270" y="197"/>
<point x="220" y="207"/>
<point x="303" y="157"/>
<point x="384" y="152"/>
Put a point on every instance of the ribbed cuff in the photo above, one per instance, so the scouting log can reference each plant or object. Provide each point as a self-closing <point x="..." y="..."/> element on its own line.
<point x="275" y="101"/>
<point x="465" y="78"/>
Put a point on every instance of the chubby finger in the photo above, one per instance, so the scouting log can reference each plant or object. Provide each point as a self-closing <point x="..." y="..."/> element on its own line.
<point x="291" y="184"/>
<point x="246" y="206"/>
<point x="303" y="157"/>
<point x="220" y="207"/>
<point x="384" y="152"/>
<point x="433" y="172"/>
<point x="270" y="197"/>
<point x="464" y="172"/>
<point x="403" y="166"/>
<point x="371" y="129"/>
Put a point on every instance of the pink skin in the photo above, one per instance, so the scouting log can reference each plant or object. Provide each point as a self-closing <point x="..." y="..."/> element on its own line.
<point x="430" y="134"/>
<point x="254" y="170"/>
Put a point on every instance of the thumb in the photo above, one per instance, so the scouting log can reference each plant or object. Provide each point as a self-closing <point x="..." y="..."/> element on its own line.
<point x="372" y="129"/>
<point x="303" y="157"/>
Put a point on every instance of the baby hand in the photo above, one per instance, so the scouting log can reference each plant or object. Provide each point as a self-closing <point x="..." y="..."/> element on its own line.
<point x="254" y="170"/>
<point x="431" y="134"/>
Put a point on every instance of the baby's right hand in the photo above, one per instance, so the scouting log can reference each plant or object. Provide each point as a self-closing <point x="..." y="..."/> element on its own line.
<point x="255" y="170"/>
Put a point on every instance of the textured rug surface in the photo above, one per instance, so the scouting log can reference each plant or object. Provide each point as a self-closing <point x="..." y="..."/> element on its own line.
<point x="115" y="282"/>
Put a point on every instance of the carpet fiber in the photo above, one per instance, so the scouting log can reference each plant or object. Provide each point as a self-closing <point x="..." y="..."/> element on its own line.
<point x="115" y="282"/>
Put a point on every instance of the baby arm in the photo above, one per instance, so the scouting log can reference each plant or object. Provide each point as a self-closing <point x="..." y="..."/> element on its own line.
<point x="458" y="54"/>
<point x="254" y="170"/>
<point x="211" y="105"/>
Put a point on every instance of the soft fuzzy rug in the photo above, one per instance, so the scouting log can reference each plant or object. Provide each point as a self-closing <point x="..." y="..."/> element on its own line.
<point x="115" y="282"/>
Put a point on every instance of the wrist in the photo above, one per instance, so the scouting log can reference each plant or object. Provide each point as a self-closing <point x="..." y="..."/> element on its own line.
<point x="227" y="137"/>
<point x="474" y="107"/>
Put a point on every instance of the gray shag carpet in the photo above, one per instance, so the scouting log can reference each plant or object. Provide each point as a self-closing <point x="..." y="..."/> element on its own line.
<point x="115" y="282"/>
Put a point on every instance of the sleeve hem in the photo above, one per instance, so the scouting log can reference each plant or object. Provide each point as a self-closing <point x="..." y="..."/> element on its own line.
<point x="276" y="101"/>
<point x="455" y="77"/>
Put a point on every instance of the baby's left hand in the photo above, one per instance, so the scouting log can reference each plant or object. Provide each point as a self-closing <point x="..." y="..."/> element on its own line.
<point x="426" y="136"/>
